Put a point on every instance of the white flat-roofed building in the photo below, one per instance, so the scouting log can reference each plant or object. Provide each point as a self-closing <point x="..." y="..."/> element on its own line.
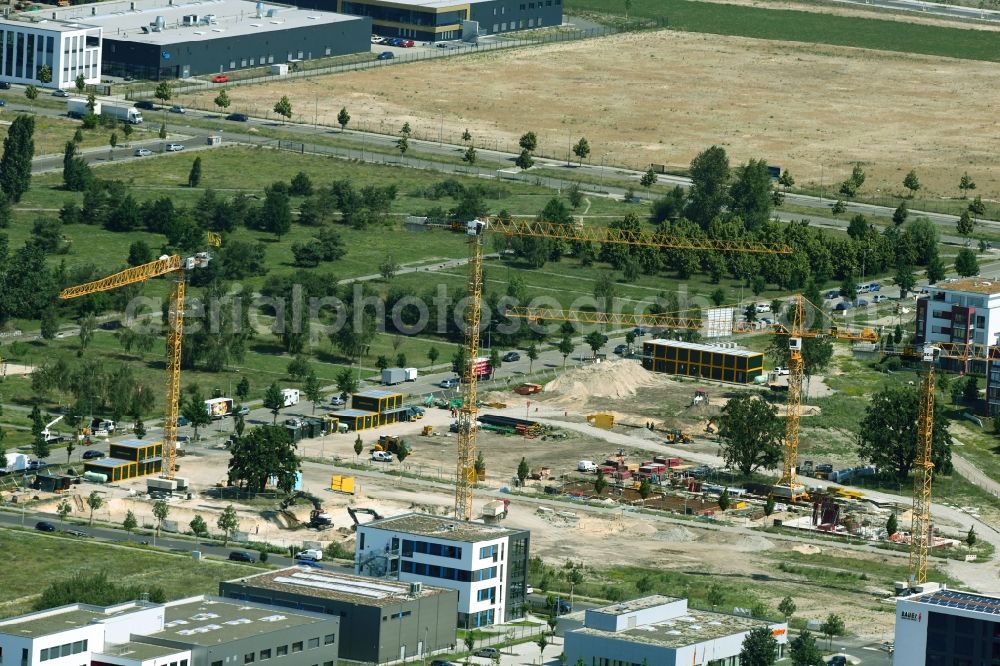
<point x="947" y="628"/>
<point x="69" y="48"/>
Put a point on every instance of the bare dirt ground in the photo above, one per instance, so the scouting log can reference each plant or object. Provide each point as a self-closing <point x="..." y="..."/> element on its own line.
<point x="663" y="97"/>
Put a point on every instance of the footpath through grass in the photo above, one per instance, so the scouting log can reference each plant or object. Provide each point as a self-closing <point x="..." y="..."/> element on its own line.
<point x="803" y="26"/>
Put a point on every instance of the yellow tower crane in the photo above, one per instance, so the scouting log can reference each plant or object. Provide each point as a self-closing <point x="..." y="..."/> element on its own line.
<point x="799" y="329"/>
<point x="466" y="474"/>
<point x="166" y="265"/>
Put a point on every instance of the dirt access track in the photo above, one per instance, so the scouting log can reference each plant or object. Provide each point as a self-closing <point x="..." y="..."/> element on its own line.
<point x="662" y="97"/>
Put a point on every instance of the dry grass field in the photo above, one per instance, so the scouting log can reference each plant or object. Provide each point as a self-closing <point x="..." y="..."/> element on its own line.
<point x="662" y="97"/>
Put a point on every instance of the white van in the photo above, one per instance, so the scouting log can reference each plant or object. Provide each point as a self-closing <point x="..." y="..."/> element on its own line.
<point x="586" y="466"/>
<point x="763" y="307"/>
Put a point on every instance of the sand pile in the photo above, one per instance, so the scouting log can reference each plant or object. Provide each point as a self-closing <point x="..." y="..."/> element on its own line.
<point x="613" y="379"/>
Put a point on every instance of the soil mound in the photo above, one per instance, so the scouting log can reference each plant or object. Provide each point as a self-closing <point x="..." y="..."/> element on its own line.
<point x="613" y="379"/>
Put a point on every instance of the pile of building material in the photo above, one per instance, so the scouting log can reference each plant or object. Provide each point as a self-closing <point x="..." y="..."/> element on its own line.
<point x="511" y="425"/>
<point x="614" y="379"/>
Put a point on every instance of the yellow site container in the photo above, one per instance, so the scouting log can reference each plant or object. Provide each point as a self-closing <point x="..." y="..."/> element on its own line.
<point x="342" y="484"/>
<point x="605" y="421"/>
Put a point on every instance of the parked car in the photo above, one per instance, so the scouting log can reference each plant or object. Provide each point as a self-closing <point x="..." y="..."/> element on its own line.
<point x="488" y="652"/>
<point x="879" y="298"/>
<point x="220" y="78"/>
<point x="238" y="117"/>
<point x="564" y="607"/>
<point x="843" y="305"/>
<point x="310" y="554"/>
<point x="37" y="464"/>
<point x="177" y="109"/>
<point x="442" y="662"/>
<point x="407" y="43"/>
<point x="294" y="423"/>
<point x="77" y="533"/>
<point x="781" y="371"/>
<point x="621" y="349"/>
<point x="337" y="401"/>
<point x="386" y="55"/>
<point x="529" y="589"/>
<point x="837" y="660"/>
<point x="92" y="454"/>
<point x="43" y="526"/>
<point x="241" y="556"/>
<point x="60" y="93"/>
<point x="510" y="357"/>
<point x="4" y="85"/>
<point x="142" y="152"/>
<point x="174" y="147"/>
<point x="441" y="45"/>
<point x="381" y="456"/>
<point x="395" y="41"/>
<point x="144" y="104"/>
<point x="639" y="331"/>
<point x="378" y="40"/>
<point x="833" y="293"/>
<point x="243" y="410"/>
<point x="3" y="103"/>
<point x="448" y="383"/>
<point x="862" y="303"/>
<point x="182" y="421"/>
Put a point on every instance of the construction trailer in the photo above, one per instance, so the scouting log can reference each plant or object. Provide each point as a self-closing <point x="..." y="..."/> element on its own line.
<point x="128" y="460"/>
<point x="724" y="363"/>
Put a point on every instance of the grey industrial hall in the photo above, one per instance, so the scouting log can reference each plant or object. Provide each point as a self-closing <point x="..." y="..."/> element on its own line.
<point x="381" y="621"/>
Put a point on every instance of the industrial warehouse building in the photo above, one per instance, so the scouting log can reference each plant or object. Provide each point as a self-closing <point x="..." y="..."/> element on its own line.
<point x="128" y="460"/>
<point x="29" y="42"/>
<point x="151" y="39"/>
<point x="437" y="20"/>
<point x="486" y="564"/>
<point x="380" y="620"/>
<point x="197" y="631"/>
<point x="663" y="631"/>
<point x="721" y="363"/>
<point x="947" y="627"/>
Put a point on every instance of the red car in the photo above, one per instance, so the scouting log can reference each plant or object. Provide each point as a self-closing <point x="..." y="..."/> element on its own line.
<point x="220" y="78"/>
<point x="407" y="43"/>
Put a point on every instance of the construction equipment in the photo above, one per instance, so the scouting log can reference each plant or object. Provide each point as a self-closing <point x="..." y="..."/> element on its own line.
<point x="48" y="435"/>
<point x="389" y="443"/>
<point x="677" y="436"/>
<point x="176" y="266"/>
<point x="923" y="469"/>
<point x="427" y="430"/>
<point x="354" y="511"/>
<point x="496" y="510"/>
<point x="475" y="230"/>
<point x="318" y="518"/>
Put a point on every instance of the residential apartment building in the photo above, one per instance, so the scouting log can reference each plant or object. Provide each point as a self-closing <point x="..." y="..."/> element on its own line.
<point x="68" y="48"/>
<point x="197" y="631"/>
<point x="960" y="311"/>
<point x="486" y="564"/>
<point x="947" y="628"/>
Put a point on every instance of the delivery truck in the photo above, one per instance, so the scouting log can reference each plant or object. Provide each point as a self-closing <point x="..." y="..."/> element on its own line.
<point x="219" y="408"/>
<point x="123" y="112"/>
<point x="77" y="108"/>
<point x="392" y="376"/>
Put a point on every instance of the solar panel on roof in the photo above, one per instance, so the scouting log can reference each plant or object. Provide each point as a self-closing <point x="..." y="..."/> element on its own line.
<point x="372" y="594"/>
<point x="342" y="581"/>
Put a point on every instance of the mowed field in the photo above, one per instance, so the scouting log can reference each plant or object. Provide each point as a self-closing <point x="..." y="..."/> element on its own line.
<point x="662" y="97"/>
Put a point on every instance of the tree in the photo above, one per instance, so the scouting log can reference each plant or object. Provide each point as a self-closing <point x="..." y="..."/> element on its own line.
<point x="264" y="454"/>
<point x="470" y="641"/>
<point x="594" y="340"/>
<point x="785" y="179"/>
<point x="888" y="433"/>
<point x="198" y="526"/>
<point x="528" y="142"/>
<point x="126" y="130"/>
<point x="31" y="92"/>
<point x="769" y="505"/>
<point x="160" y="511"/>
<point x="130" y="522"/>
<point x="402" y="451"/>
<point x="905" y="280"/>
<point x="648" y="179"/>
<point x="64" y="509"/>
<point x="751" y="433"/>
<point x="243" y="389"/>
<point x="45" y="74"/>
<point x="759" y="648"/>
<point x="581" y="149"/>
<point x="470" y="155"/>
<point x="283" y="107"/>
<point x="15" y="165"/>
<point x="432" y="355"/>
<point x="298" y="368"/>
<point x="194" y="410"/>
<point x="977" y="207"/>
<point x="750" y="194"/>
<point x="222" y="100"/>
<point x="838" y="207"/>
<point x="347" y="382"/>
<point x="935" y="270"/>
<point x="804" y="651"/>
<point x="77" y="176"/>
<point x="406" y="130"/>
<point x="970" y="538"/>
<point x="542" y="643"/>
<point x="228" y="522"/>
<point x="402" y="145"/>
<point x="139" y="429"/>
<point x="709" y="191"/>
<point x="466" y="136"/>
<point x="787" y="606"/>
<point x="900" y="214"/>
<point x="113" y="142"/>
<point x="724" y="499"/>
<point x="600" y="483"/>
<point x="343" y="117"/>
<point x="645" y="489"/>
<point x="522" y="470"/>
<point x="832" y="626"/>
<point x="891" y="525"/>
<point x="194" y="177"/>
<point x="163" y="131"/>
<point x="313" y="389"/>
<point x="274" y="400"/>
<point x="49" y="324"/>
<point x="911" y="182"/>
<point x="388" y="268"/>
<point x="524" y="161"/>
<point x="965" y="184"/>
<point x="94" y="502"/>
<point x="565" y="348"/>
<point x="970" y="392"/>
<point x="966" y="263"/>
<point x="359" y="446"/>
<point x="80" y="83"/>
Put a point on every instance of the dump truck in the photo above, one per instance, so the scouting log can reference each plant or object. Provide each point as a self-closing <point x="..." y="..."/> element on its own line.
<point x="496" y="510"/>
<point x="123" y="112"/>
<point x="77" y="108"/>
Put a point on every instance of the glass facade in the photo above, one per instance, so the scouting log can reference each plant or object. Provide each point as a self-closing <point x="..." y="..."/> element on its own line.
<point x="962" y="641"/>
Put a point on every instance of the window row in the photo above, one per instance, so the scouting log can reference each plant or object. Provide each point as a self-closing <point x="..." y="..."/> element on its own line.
<point x="429" y="548"/>
<point x="64" y="650"/>
<point x="280" y="651"/>
<point x="488" y="551"/>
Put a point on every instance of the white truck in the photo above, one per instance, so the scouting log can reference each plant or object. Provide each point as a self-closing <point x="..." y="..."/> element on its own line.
<point x="290" y="397"/>
<point x="13" y="462"/>
<point x="310" y="555"/>
<point x="219" y="408"/>
<point x="123" y="112"/>
<point x="411" y="374"/>
<point x="77" y="108"/>
<point x="586" y="466"/>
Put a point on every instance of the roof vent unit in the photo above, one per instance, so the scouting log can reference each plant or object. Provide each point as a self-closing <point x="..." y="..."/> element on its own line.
<point x="189" y="19"/>
<point x="260" y="10"/>
<point x="208" y="19"/>
<point x="416" y="588"/>
<point x="271" y="13"/>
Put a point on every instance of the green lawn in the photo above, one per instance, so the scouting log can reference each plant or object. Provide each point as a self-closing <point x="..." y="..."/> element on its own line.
<point x="35" y="560"/>
<point x="802" y="26"/>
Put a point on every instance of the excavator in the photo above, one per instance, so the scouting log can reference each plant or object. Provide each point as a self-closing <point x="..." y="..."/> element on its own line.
<point x="318" y="519"/>
<point x="353" y="511"/>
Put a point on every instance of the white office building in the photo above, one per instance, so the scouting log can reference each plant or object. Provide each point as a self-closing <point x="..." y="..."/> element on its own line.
<point x="486" y="564"/>
<point x="68" y="48"/>
<point x="663" y="631"/>
<point x="960" y="311"/>
<point x="947" y="628"/>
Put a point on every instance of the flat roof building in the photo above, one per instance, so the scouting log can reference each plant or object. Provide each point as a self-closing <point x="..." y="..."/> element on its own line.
<point x="380" y="620"/>
<point x="31" y="42"/>
<point x="486" y="564"/>
<point x="721" y="363"/>
<point x="947" y="627"/>
<point x="175" y="39"/>
<point x="197" y="631"/>
<point x="664" y="631"/>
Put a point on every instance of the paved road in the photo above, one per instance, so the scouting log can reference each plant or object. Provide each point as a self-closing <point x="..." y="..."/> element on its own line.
<point x="932" y="8"/>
